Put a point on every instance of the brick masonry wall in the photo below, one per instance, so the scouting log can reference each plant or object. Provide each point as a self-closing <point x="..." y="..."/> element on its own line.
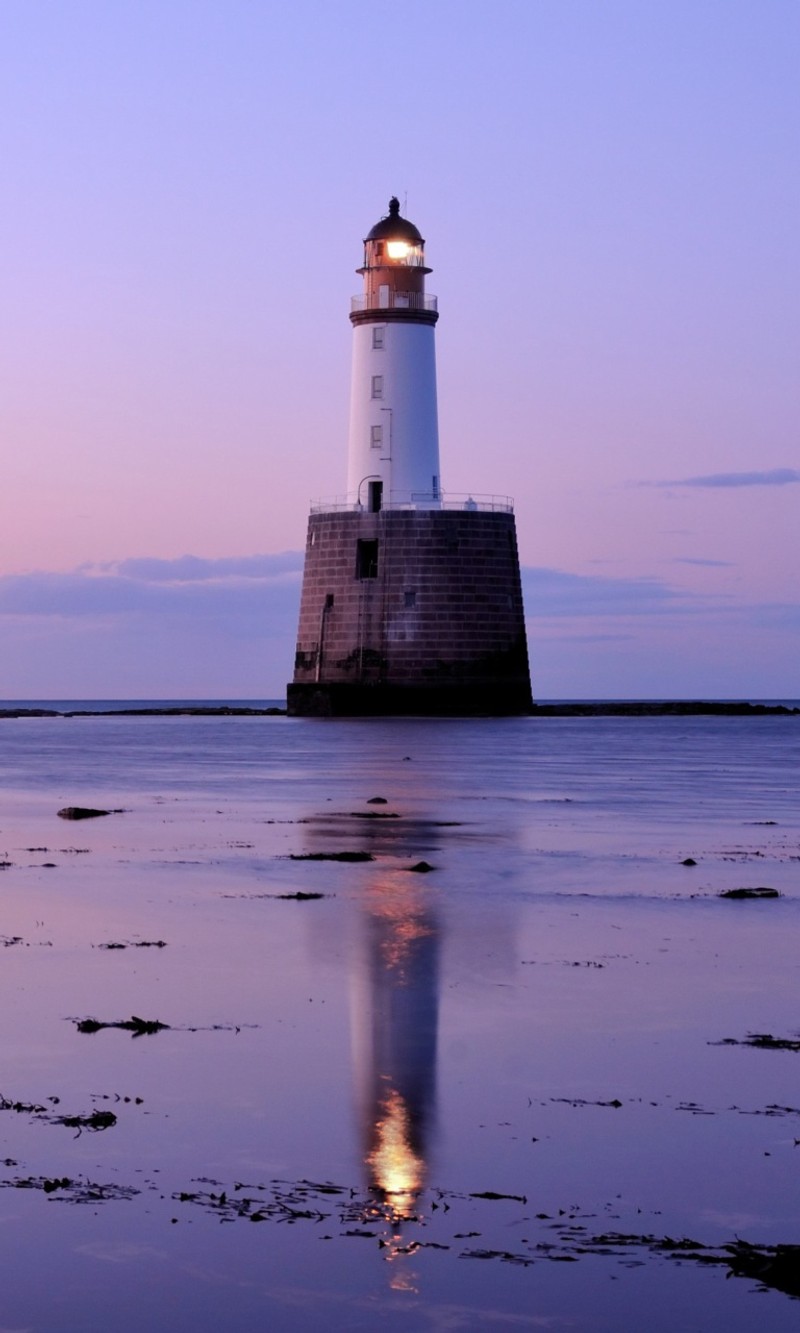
<point x="445" y="607"/>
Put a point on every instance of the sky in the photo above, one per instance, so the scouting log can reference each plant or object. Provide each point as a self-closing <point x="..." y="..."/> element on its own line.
<point x="610" y="199"/>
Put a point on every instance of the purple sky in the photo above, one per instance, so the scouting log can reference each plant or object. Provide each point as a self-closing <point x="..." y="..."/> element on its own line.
<point x="609" y="194"/>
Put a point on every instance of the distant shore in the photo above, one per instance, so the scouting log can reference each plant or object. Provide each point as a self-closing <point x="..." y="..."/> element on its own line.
<point x="664" y="708"/>
<point x="615" y="708"/>
<point x="177" y="710"/>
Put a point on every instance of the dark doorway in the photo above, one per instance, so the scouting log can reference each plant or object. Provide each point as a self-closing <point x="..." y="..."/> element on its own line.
<point x="375" y="500"/>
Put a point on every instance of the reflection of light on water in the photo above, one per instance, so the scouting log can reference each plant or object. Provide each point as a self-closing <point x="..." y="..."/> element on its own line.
<point x="395" y="1021"/>
<point x="397" y="1171"/>
<point x="403" y="1279"/>
<point x="400" y="921"/>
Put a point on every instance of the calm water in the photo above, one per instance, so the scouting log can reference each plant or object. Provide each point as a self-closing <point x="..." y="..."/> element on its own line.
<point x="348" y="1082"/>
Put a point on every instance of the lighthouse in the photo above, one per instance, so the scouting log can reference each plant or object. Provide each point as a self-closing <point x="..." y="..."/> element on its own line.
<point x="411" y="600"/>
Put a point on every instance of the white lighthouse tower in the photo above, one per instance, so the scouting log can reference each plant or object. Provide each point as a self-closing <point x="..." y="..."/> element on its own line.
<point x="393" y="456"/>
<point x="411" y="600"/>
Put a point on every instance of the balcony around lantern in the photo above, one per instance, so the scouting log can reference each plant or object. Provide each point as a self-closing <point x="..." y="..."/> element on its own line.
<point x="468" y="503"/>
<point x="387" y="299"/>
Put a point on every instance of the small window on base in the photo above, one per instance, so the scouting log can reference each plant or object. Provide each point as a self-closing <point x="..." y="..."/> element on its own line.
<point x="410" y="598"/>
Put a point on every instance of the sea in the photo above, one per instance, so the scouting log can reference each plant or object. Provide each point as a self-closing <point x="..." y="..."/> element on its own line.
<point x="420" y="1024"/>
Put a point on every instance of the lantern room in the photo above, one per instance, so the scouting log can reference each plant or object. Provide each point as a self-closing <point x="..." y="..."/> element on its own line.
<point x="394" y="258"/>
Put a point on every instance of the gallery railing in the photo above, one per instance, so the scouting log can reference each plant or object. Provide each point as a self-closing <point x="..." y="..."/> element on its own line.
<point x="387" y="299"/>
<point x="495" y="504"/>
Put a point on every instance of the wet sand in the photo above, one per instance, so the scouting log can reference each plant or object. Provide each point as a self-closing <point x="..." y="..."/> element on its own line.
<point x="264" y="1069"/>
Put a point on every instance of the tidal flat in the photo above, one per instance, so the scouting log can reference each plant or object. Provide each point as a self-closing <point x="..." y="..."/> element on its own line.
<point x="419" y="1025"/>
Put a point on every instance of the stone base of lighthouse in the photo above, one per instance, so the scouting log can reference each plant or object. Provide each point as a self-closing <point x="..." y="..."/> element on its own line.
<point x="408" y="611"/>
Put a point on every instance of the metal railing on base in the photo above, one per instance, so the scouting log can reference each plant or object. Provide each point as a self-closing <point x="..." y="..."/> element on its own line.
<point x="494" y="504"/>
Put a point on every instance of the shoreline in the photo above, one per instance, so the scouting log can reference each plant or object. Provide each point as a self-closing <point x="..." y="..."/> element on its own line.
<point x="633" y="708"/>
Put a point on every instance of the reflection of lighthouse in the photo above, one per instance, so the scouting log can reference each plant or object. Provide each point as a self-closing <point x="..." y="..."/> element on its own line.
<point x="411" y="599"/>
<point x="395" y="1027"/>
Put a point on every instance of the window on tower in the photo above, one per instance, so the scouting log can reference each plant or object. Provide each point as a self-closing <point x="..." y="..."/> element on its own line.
<point x="377" y="386"/>
<point x="376" y="436"/>
<point x="377" y="338"/>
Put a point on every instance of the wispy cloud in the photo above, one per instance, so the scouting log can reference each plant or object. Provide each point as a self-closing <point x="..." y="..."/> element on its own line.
<point x="250" y="586"/>
<point x="192" y="569"/>
<point x="779" y="476"/>
<point x="553" y="595"/>
<point x="556" y="592"/>
<point x="706" y="564"/>
<point x="142" y="628"/>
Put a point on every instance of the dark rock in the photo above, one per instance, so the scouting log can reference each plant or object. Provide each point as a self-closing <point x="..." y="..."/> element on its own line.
<point x="82" y="812"/>
<point x="138" y="1026"/>
<point x="762" y="892"/>
<point x="98" y="1120"/>
<point x="690" y="861"/>
<point x="58" y="1183"/>
<point x="777" y="1266"/>
<point x="299" y="897"/>
<point x="29" y="712"/>
<point x="331" y="856"/>
<point x="421" y="868"/>
<point x="761" y="1041"/>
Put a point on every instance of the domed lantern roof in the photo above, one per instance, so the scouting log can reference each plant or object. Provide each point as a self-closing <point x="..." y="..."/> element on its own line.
<point x="395" y="228"/>
<point x="394" y="243"/>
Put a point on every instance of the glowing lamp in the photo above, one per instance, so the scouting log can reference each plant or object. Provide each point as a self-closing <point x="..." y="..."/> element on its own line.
<point x="397" y="249"/>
